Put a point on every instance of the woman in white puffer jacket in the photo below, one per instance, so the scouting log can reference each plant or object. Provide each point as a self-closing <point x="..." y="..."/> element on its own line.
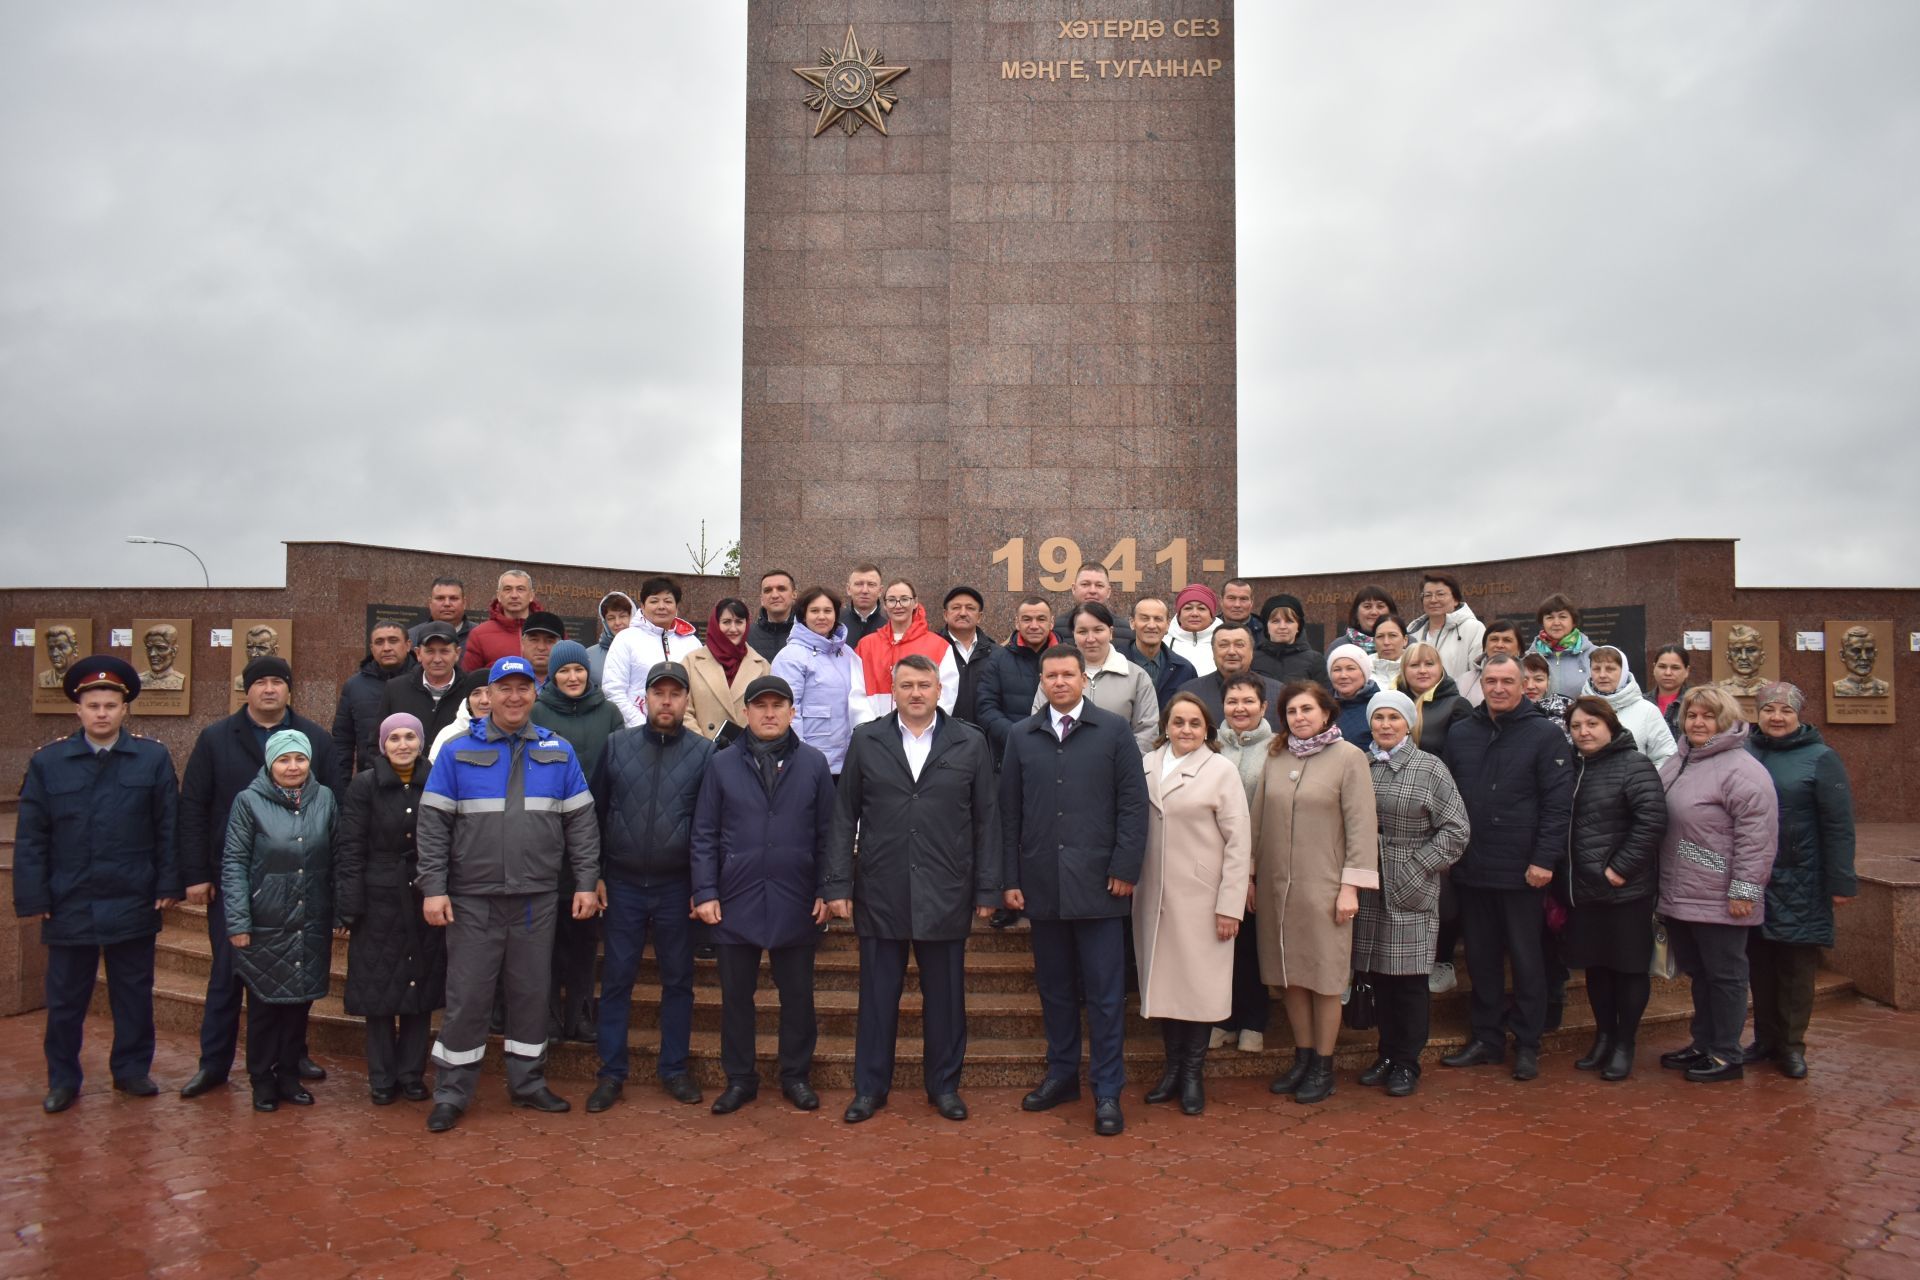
<point x="1609" y="677"/>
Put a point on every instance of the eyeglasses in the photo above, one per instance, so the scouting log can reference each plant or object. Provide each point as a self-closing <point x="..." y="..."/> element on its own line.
<point x="1436" y="595"/>
<point x="898" y="600"/>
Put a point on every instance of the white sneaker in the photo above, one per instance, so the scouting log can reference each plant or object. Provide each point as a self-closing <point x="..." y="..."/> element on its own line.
<point x="1217" y="1037"/>
<point x="1442" y="978"/>
<point x="1252" y="1042"/>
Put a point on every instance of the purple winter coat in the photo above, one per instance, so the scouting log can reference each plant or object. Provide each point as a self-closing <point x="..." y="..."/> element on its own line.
<point x="823" y="672"/>
<point x="1723" y="818"/>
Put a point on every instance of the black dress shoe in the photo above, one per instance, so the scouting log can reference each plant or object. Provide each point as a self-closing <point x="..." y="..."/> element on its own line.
<point x="58" y="1100"/>
<point x="1619" y="1062"/>
<point x="1004" y="919"/>
<point x="265" y="1101"/>
<point x="1792" y="1064"/>
<point x="1683" y="1059"/>
<point x="704" y="952"/>
<point x="950" y="1106"/>
<point x="1475" y="1053"/>
<point x="1757" y="1052"/>
<point x="1107" y="1120"/>
<point x="443" y="1117"/>
<point x="202" y="1082"/>
<point x="862" y="1107"/>
<point x="137" y="1086"/>
<point x="415" y="1091"/>
<point x="731" y="1099"/>
<point x="681" y="1088"/>
<point x="1526" y="1064"/>
<point x="1376" y="1073"/>
<point x="544" y="1099"/>
<point x="801" y="1095"/>
<point x="290" y="1091"/>
<point x="1596" y="1056"/>
<point x="604" y="1095"/>
<point x="382" y="1097"/>
<point x="1053" y="1091"/>
<point x="311" y="1070"/>
<point x="1402" y="1080"/>
<point x="1710" y="1070"/>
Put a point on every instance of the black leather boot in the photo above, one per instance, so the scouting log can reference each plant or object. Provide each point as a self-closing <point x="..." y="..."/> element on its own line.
<point x="1596" y="1056"/>
<point x="1173" y="1034"/>
<point x="1619" y="1062"/>
<point x="1318" y="1085"/>
<point x="1290" y="1079"/>
<point x="1193" y="1074"/>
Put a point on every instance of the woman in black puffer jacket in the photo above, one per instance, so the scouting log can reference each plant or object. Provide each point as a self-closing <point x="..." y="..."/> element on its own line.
<point x="1609" y="880"/>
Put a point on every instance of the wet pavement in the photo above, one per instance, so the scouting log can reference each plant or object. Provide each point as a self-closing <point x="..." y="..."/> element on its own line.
<point x="1473" y="1176"/>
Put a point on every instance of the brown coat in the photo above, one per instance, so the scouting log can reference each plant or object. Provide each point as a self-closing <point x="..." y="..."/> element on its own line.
<point x="1314" y="829"/>
<point x="1199" y="853"/>
<point x="712" y="702"/>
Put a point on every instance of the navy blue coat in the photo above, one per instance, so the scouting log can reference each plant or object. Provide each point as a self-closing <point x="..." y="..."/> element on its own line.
<point x="1072" y="814"/>
<point x="1168" y="679"/>
<point x="94" y="848"/>
<point x="357" y="716"/>
<point x="1005" y="696"/>
<point x="1515" y="775"/>
<point x="1354" y="724"/>
<point x="644" y="790"/>
<point x="226" y="758"/>
<point x="764" y="860"/>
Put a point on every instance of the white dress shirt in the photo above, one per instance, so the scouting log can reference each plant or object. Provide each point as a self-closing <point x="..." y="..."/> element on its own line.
<point x="1057" y="714"/>
<point x="917" y="745"/>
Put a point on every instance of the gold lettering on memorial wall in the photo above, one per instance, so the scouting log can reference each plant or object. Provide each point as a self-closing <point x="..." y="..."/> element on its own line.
<point x="1121" y="68"/>
<point x="850" y="88"/>
<point x="1059" y="559"/>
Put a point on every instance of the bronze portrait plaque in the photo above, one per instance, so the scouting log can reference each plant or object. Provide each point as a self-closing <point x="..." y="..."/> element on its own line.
<point x="58" y="643"/>
<point x="1860" y="672"/>
<point x="1746" y="655"/>
<point x="257" y="638"/>
<point x="163" y="658"/>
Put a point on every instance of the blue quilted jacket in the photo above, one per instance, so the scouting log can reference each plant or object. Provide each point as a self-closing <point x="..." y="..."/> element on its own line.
<point x="644" y="790"/>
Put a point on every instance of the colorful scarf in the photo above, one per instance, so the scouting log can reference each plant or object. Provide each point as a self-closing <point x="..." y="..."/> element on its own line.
<point x="1304" y="747"/>
<point x="1569" y="643"/>
<point x="728" y="653"/>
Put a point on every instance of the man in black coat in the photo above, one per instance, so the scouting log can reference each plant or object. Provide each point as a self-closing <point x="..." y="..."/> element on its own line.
<point x="94" y="862"/>
<point x="226" y="758"/>
<point x="432" y="691"/>
<point x="918" y="790"/>
<point x="1073" y="816"/>
<point x="356" y="719"/>
<point x="644" y="788"/>
<point x="972" y="648"/>
<point x="768" y="635"/>
<point x="1233" y="654"/>
<point x="1012" y="674"/>
<point x="1513" y="767"/>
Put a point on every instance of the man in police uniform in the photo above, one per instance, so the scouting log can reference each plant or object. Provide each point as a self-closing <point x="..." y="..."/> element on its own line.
<point x="94" y="862"/>
<point x="506" y="801"/>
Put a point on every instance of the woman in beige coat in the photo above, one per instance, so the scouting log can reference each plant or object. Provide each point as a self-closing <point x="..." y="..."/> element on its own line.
<point x="1316" y="845"/>
<point x="719" y="672"/>
<point x="1192" y="893"/>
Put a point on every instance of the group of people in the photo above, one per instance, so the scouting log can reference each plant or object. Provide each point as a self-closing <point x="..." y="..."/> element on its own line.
<point x="1192" y="801"/>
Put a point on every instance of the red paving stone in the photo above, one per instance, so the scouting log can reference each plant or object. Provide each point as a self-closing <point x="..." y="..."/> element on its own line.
<point x="1474" y="1176"/>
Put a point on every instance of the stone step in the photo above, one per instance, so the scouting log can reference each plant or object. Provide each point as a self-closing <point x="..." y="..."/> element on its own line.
<point x="992" y="1060"/>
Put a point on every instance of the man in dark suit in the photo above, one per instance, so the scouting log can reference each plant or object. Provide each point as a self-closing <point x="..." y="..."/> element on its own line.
<point x="1232" y="656"/>
<point x="226" y="758"/>
<point x="1073" y="817"/>
<point x="918" y="789"/>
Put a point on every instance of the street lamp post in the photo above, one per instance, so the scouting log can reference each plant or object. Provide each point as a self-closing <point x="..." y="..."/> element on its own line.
<point x="162" y="542"/>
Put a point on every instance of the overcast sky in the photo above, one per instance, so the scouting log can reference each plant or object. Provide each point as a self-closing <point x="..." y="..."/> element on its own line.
<point x="1514" y="278"/>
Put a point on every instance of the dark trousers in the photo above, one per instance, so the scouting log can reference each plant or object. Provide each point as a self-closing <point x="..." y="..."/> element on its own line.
<point x="1401" y="1006"/>
<point x="397" y="1049"/>
<point x="636" y="912"/>
<point x="799" y="1029"/>
<point x="1618" y="1000"/>
<point x="276" y="1041"/>
<point x="220" y="1016"/>
<point x="1714" y="956"/>
<point x="575" y="943"/>
<point x="1251" y="1005"/>
<point x="1782" y="975"/>
<point x="1502" y="927"/>
<point x="1446" y="939"/>
<point x="70" y="978"/>
<point x="495" y="939"/>
<point x="943" y="997"/>
<point x="1075" y="959"/>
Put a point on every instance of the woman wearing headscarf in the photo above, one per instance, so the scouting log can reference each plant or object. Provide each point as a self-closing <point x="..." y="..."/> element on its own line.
<point x="719" y="673"/>
<point x="1191" y="896"/>
<point x="1316" y="845"/>
<point x="1722" y="836"/>
<point x="1608" y="880"/>
<point x="396" y="962"/>
<point x="1285" y="654"/>
<point x="1610" y="678"/>
<point x="1812" y="874"/>
<point x="1423" y="831"/>
<point x="1243" y="739"/>
<point x="276" y="876"/>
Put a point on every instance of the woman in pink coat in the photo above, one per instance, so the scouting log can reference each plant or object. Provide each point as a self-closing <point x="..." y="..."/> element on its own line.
<point x="1715" y="861"/>
<point x="1192" y="893"/>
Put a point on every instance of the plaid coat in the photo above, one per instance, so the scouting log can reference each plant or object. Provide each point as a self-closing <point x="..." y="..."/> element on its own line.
<point x="1423" y="831"/>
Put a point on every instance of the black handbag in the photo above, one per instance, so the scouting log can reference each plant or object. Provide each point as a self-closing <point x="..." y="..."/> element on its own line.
<point x="1359" y="1013"/>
